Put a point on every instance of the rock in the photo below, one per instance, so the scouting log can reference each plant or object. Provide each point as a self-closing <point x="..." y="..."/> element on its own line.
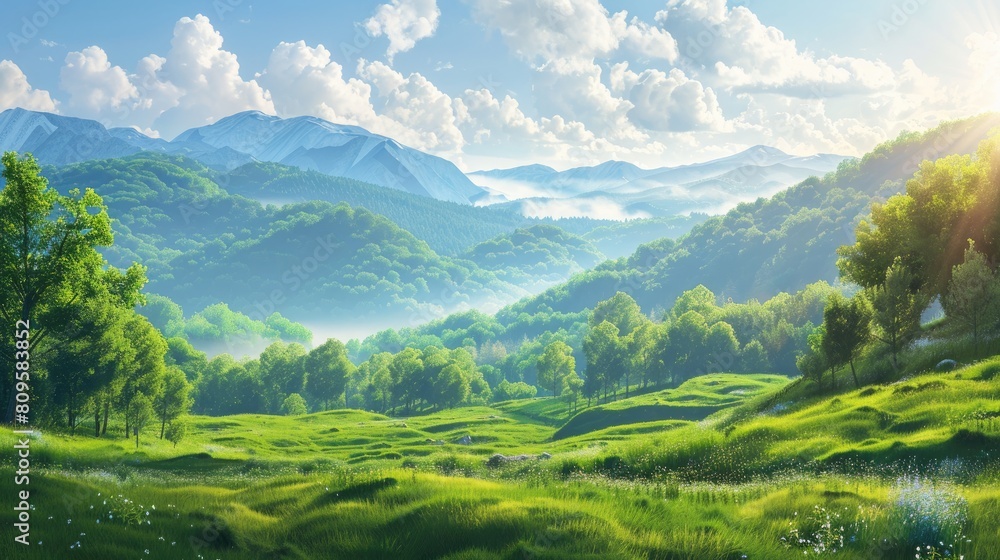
<point x="499" y="459"/>
<point x="545" y="455"/>
<point x="465" y="440"/>
<point x="946" y="365"/>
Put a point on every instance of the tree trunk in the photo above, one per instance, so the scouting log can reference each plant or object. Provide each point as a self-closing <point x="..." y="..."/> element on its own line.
<point x="137" y="438"/>
<point x="855" y="376"/>
<point x="107" y="412"/>
<point x="97" y="419"/>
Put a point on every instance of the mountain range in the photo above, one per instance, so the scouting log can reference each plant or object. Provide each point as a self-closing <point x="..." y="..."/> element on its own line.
<point x="305" y="142"/>
<point x="313" y="144"/>
<point x="712" y="186"/>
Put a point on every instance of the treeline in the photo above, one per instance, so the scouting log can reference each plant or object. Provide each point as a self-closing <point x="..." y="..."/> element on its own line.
<point x="71" y="338"/>
<point x="288" y="379"/>
<point x="218" y="329"/>
<point x="938" y="241"/>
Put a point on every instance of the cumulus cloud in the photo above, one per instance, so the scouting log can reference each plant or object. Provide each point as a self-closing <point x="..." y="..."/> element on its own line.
<point x="404" y="22"/>
<point x="15" y="91"/>
<point x="669" y="102"/>
<point x="303" y="80"/>
<point x="208" y="77"/>
<point x="413" y="101"/>
<point x="96" y="88"/>
<point x="748" y="55"/>
<point x="196" y="83"/>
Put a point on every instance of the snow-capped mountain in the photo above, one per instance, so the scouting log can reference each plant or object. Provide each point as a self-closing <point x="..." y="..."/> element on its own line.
<point x="305" y="142"/>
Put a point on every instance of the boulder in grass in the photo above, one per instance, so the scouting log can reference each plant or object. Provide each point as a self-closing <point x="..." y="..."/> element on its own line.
<point x="499" y="459"/>
<point x="465" y="440"/>
<point x="946" y="365"/>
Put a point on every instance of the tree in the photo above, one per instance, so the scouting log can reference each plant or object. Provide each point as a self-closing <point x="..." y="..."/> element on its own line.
<point x="754" y="358"/>
<point x="507" y="391"/>
<point x="48" y="247"/>
<point x="173" y="400"/>
<point x="699" y="299"/>
<point x="605" y="356"/>
<point x="896" y="309"/>
<point x="621" y="311"/>
<point x="687" y="338"/>
<point x="327" y="370"/>
<point x="450" y="386"/>
<point x="403" y="372"/>
<point x="640" y="349"/>
<point x="554" y="364"/>
<point x="140" y="365"/>
<point x="973" y="297"/>
<point x="282" y="372"/>
<point x="139" y="414"/>
<point x="176" y="431"/>
<point x="848" y="330"/>
<point x="294" y="405"/>
<point x="572" y="385"/>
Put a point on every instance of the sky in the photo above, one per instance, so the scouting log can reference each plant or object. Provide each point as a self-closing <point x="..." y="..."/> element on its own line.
<point x="500" y="83"/>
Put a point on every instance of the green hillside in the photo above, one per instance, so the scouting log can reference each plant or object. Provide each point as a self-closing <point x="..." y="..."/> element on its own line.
<point x="539" y="254"/>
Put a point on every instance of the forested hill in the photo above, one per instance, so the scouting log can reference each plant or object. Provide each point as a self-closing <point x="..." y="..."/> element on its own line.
<point x="313" y="261"/>
<point x="535" y="255"/>
<point x="449" y="228"/>
<point x="779" y="244"/>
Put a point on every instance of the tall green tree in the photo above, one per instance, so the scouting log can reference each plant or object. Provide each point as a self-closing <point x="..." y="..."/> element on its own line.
<point x="896" y="309"/>
<point x="605" y="354"/>
<point x="174" y="399"/>
<point x="555" y="363"/>
<point x="327" y="370"/>
<point x="620" y="310"/>
<point x="48" y="246"/>
<point x="973" y="296"/>
<point x="848" y="330"/>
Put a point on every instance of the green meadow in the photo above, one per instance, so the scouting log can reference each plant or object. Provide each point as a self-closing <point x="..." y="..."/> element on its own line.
<point x="771" y="473"/>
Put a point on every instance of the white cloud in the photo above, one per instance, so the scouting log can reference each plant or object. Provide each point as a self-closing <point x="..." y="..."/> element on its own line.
<point x="15" y="91"/>
<point x="303" y="80"/>
<point x="404" y="22"/>
<point x="669" y="102"/>
<point x="96" y="88"/>
<point x="550" y="29"/>
<point x="196" y="83"/>
<point x="208" y="78"/>
<point x="417" y="104"/>
<point x="748" y="55"/>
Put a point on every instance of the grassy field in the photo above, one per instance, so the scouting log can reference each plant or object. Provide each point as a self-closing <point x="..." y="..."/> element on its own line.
<point x="870" y="473"/>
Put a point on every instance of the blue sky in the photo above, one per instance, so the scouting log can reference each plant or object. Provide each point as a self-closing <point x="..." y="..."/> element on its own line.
<point x="497" y="83"/>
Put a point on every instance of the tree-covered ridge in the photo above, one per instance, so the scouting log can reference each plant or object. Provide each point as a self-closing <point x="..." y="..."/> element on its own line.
<point x="172" y="213"/>
<point x="779" y="244"/>
<point x="324" y="262"/>
<point x="540" y="254"/>
<point x="449" y="228"/>
<point x="620" y="239"/>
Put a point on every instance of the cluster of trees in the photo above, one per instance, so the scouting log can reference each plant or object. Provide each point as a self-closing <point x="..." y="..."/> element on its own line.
<point x="625" y="348"/>
<point x="936" y="241"/>
<point x="82" y="351"/>
<point x="217" y="328"/>
<point x="264" y="384"/>
<point x="286" y="376"/>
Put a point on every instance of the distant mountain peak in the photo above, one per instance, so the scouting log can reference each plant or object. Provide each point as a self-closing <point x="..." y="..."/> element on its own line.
<point x="306" y="142"/>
